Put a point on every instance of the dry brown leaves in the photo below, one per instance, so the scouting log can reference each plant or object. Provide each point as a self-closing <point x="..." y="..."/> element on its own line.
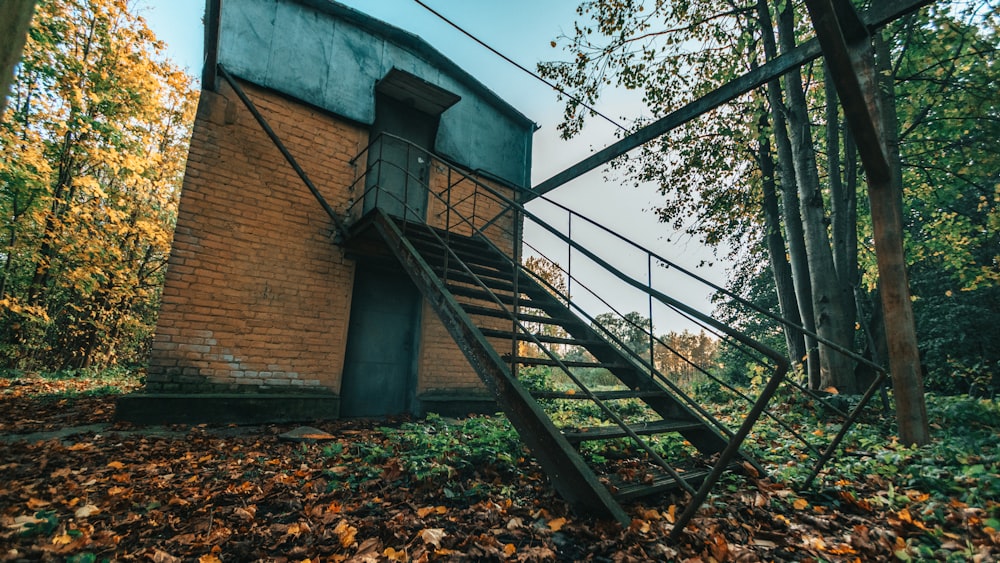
<point x="230" y="494"/>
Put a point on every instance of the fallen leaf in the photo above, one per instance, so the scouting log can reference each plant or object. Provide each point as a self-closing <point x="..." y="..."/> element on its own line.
<point x="346" y="533"/>
<point x="35" y="504"/>
<point x="556" y="524"/>
<point x="116" y="465"/>
<point x="719" y="547"/>
<point x="509" y="550"/>
<point x="160" y="556"/>
<point x="433" y="536"/>
<point x="641" y="526"/>
<point x="800" y="503"/>
<point x="392" y="555"/>
<point x="651" y="514"/>
<point x="427" y="510"/>
<point x="22" y="523"/>
<point x="62" y="539"/>
<point x="86" y="510"/>
<point x="368" y="551"/>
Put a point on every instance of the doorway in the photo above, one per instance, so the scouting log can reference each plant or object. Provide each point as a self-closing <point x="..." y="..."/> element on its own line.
<point x="399" y="160"/>
<point x="383" y="332"/>
<point x="380" y="370"/>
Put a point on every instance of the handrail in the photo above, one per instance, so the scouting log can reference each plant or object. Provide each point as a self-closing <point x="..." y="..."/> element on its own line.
<point x="720" y="289"/>
<point x="512" y="315"/>
<point x="779" y="364"/>
<point x="610" y="413"/>
<point x="697" y="317"/>
<point x="664" y="379"/>
<point x="515" y="205"/>
<point x="733" y="445"/>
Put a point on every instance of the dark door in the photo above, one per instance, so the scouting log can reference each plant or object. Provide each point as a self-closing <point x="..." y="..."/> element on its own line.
<point x="380" y="365"/>
<point x="399" y="164"/>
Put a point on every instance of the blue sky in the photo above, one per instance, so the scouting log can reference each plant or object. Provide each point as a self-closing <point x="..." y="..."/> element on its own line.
<point x="522" y="30"/>
<point x="504" y="25"/>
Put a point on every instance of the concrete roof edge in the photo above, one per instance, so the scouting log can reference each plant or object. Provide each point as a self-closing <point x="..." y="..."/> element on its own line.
<point x="418" y="46"/>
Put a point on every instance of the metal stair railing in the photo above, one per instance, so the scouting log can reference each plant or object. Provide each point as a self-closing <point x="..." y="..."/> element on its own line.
<point x="849" y="417"/>
<point x="732" y="449"/>
<point x="831" y="447"/>
<point x="610" y="413"/>
<point x="341" y="228"/>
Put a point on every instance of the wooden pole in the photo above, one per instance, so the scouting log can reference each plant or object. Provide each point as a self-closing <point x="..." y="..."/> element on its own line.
<point x="848" y="51"/>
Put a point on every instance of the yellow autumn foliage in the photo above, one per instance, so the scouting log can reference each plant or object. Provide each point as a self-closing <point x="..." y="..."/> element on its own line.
<point x="92" y="152"/>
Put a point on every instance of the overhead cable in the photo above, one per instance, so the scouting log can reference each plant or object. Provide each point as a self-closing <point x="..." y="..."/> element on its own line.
<point x="519" y="66"/>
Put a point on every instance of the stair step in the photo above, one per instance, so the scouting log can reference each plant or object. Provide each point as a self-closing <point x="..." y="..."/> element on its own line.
<point x="424" y="238"/>
<point x="479" y="270"/>
<point x="477" y="256"/>
<point x="576" y="435"/>
<point x="508" y="335"/>
<point x="504" y="314"/>
<point x="506" y="298"/>
<point x="492" y="283"/>
<point x="528" y="361"/>
<point x="492" y="279"/>
<point x="602" y="395"/>
<point x="658" y="482"/>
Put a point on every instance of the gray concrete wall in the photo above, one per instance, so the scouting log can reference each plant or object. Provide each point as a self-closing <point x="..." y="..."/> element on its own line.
<point x="331" y="56"/>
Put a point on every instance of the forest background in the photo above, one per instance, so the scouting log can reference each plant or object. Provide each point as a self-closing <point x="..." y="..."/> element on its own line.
<point x="94" y="140"/>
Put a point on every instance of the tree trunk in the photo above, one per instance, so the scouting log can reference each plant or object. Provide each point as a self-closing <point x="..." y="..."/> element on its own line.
<point x="843" y="203"/>
<point x="832" y="321"/>
<point x="780" y="268"/>
<point x="15" y="18"/>
<point x="887" y="220"/>
<point x="790" y="205"/>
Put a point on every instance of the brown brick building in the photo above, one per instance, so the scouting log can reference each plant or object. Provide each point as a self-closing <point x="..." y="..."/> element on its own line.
<point x="266" y="315"/>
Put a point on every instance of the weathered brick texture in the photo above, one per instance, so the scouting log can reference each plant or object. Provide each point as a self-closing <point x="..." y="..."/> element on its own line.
<point x="461" y="204"/>
<point x="257" y="296"/>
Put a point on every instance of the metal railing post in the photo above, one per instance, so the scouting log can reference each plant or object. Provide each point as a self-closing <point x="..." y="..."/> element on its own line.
<point x="649" y="279"/>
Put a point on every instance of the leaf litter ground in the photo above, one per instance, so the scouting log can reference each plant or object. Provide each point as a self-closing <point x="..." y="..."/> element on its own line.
<point x="81" y="488"/>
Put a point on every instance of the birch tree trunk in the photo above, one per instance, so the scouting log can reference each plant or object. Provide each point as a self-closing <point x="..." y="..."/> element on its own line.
<point x="15" y="16"/>
<point x="780" y="268"/>
<point x="843" y="204"/>
<point x="832" y="321"/>
<point x="791" y="215"/>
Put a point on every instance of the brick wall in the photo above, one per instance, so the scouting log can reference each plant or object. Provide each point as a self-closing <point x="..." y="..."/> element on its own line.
<point x="257" y="297"/>
<point x="443" y="367"/>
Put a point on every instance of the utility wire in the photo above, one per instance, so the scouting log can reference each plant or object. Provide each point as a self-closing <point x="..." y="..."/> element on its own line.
<point x="518" y="65"/>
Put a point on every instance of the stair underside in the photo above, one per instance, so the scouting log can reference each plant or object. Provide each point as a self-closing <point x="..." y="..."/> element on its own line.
<point x="475" y="285"/>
